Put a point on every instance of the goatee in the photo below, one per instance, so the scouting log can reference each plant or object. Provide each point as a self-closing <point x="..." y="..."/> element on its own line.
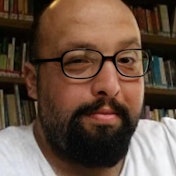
<point x="69" y="139"/>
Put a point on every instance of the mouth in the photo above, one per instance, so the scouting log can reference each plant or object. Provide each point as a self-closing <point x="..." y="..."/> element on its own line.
<point x="105" y="116"/>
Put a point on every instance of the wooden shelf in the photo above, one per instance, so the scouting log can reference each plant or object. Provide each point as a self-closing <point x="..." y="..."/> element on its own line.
<point x="159" y="44"/>
<point x="149" y="2"/>
<point x="18" y="24"/>
<point x="11" y="80"/>
<point x="159" y="40"/>
<point x="160" y="91"/>
<point x="160" y="98"/>
<point x="7" y="84"/>
<point x="15" y="28"/>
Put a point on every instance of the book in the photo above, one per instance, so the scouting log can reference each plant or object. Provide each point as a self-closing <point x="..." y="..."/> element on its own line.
<point x="167" y="65"/>
<point x="155" y="115"/>
<point x="6" y="9"/>
<point x="140" y="15"/>
<point x="12" y="110"/>
<point x="24" y="57"/>
<point x="32" y="110"/>
<point x="147" y="112"/>
<point x="17" y="59"/>
<point x="30" y="10"/>
<point x="13" y="9"/>
<point x="3" y="53"/>
<point x="1" y="8"/>
<point x="156" y="71"/>
<point x="149" y="21"/>
<point x="170" y="66"/>
<point x="26" y="112"/>
<point x="159" y="73"/>
<point x="162" y="72"/>
<point x="3" y="59"/>
<point x="155" y="21"/>
<point x="171" y="113"/>
<point x="18" y="104"/>
<point x="173" y="28"/>
<point x="2" y="110"/>
<point x="21" y="9"/>
<point x="164" y="19"/>
<point x="11" y="54"/>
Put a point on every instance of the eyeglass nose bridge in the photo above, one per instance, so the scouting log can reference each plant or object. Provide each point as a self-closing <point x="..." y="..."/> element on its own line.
<point x="112" y="59"/>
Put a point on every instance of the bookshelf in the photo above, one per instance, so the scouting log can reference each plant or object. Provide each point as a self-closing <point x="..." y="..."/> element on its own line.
<point x="159" y="44"/>
<point x="15" y="24"/>
<point x="7" y="84"/>
<point x="161" y="40"/>
<point x="156" y="97"/>
<point x="15" y="27"/>
<point x="160" y="98"/>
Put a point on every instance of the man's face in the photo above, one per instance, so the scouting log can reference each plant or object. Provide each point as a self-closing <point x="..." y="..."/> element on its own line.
<point x="89" y="121"/>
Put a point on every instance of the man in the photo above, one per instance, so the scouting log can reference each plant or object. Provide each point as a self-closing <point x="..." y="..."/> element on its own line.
<point x="87" y="75"/>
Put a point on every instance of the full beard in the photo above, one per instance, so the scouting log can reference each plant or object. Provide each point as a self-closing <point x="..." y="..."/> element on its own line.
<point x="69" y="139"/>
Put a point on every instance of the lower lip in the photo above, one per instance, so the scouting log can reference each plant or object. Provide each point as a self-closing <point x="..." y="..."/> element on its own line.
<point x="104" y="118"/>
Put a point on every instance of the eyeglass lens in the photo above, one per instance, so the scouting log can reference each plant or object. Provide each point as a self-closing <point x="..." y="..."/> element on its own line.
<point x="86" y="63"/>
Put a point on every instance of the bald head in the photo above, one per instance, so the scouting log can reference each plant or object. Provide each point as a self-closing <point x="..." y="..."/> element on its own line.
<point x="76" y="20"/>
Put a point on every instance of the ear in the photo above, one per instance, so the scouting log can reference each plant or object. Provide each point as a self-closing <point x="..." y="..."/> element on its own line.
<point x="30" y="76"/>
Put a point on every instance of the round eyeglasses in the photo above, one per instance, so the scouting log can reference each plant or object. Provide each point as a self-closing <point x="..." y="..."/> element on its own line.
<point x="85" y="63"/>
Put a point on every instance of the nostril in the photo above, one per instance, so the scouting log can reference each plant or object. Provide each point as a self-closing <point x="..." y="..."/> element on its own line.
<point x="102" y="93"/>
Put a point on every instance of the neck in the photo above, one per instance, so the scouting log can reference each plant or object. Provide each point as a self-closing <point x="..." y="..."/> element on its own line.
<point x="67" y="168"/>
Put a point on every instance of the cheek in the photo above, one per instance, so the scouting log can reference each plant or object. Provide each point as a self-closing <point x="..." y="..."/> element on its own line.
<point x="64" y="92"/>
<point x="69" y="96"/>
<point x="134" y="96"/>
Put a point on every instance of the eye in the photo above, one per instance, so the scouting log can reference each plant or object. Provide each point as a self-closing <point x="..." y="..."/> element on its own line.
<point x="78" y="60"/>
<point x="126" y="60"/>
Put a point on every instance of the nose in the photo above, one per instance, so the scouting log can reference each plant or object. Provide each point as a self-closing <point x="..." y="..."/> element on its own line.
<point x="106" y="83"/>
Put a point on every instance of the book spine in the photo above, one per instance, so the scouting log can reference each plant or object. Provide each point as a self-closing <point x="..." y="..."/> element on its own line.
<point x="173" y="31"/>
<point x="6" y="8"/>
<point x="12" y="110"/>
<point x="18" y="104"/>
<point x="164" y="18"/>
<point x="156" y="71"/>
<point x="162" y="72"/>
<point x="149" y="21"/>
<point x="1" y="8"/>
<point x="21" y="9"/>
<point x="2" y="110"/>
<point x="13" y="9"/>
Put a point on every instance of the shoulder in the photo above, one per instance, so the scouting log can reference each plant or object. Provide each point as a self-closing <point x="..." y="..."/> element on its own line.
<point x="16" y="140"/>
<point x="15" y="143"/>
<point x="152" y="149"/>
<point x="20" y="154"/>
<point x="14" y="134"/>
<point x="153" y="132"/>
<point x="166" y="128"/>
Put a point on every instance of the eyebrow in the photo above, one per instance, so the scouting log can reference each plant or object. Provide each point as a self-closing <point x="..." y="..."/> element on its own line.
<point x="81" y="44"/>
<point x="129" y="42"/>
<point x="74" y="45"/>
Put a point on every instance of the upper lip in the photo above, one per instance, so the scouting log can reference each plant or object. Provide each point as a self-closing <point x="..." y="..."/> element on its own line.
<point x="105" y="111"/>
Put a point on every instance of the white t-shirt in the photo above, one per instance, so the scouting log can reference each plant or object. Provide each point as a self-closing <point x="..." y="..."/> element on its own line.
<point x="20" y="154"/>
<point x="152" y="151"/>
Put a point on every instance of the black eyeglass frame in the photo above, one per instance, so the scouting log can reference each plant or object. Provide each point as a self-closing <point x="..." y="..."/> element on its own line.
<point x="104" y="58"/>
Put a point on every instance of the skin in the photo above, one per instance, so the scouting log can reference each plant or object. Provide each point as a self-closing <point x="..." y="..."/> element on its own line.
<point x="104" y="25"/>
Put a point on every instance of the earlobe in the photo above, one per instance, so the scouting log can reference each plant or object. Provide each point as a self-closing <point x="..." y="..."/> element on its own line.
<point x="30" y="80"/>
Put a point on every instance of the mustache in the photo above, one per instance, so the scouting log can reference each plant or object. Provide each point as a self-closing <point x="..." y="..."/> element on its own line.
<point x="87" y="109"/>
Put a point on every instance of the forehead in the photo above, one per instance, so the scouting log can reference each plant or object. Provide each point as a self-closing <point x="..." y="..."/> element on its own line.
<point x="87" y="21"/>
<point x="87" y="11"/>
